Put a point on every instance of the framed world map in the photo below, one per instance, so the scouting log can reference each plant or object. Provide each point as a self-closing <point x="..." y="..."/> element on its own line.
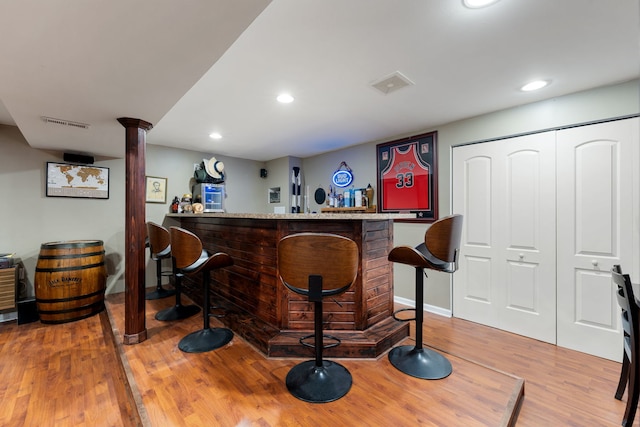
<point x="69" y="180"/>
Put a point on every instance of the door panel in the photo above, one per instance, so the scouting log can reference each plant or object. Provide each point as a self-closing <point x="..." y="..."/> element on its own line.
<point x="473" y="297"/>
<point x="506" y="277"/>
<point x="527" y="229"/>
<point x="595" y="232"/>
<point x="521" y="273"/>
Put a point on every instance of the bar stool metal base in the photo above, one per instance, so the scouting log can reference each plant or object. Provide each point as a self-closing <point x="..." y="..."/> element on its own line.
<point x="314" y="384"/>
<point x="159" y="294"/>
<point x="420" y="362"/>
<point x="205" y="340"/>
<point x="177" y="312"/>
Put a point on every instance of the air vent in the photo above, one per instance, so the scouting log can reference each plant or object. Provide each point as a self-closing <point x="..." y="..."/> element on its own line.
<point x="65" y="122"/>
<point x="392" y="82"/>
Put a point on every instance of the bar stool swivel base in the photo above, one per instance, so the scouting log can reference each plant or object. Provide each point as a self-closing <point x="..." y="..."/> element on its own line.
<point x="205" y="340"/>
<point x="159" y="293"/>
<point x="420" y="362"/>
<point x="319" y="384"/>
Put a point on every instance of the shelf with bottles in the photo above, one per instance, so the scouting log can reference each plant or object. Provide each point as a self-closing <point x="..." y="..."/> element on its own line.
<point x="355" y="209"/>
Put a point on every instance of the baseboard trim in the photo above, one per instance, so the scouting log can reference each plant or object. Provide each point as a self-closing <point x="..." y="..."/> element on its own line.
<point x="426" y="307"/>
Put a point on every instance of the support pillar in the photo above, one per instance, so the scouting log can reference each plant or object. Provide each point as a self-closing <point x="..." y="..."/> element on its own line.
<point x="135" y="230"/>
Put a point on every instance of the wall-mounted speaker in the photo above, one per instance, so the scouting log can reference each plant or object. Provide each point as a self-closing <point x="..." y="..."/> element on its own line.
<point x="78" y="158"/>
<point x="263" y="173"/>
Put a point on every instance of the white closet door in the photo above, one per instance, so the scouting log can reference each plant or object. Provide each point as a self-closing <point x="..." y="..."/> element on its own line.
<point x="474" y="293"/>
<point x="506" y="192"/>
<point x="595" y="231"/>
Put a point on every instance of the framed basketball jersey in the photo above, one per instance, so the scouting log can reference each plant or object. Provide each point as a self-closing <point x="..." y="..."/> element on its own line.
<point x="407" y="176"/>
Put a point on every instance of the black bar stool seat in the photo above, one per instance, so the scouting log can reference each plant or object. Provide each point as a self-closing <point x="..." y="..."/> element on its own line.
<point x="160" y="240"/>
<point x="159" y="245"/>
<point x="439" y="252"/>
<point x="318" y="265"/>
<point x="189" y="257"/>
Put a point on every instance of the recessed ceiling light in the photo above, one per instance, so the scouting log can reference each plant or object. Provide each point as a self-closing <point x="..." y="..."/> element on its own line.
<point x="535" y="85"/>
<point x="285" y="98"/>
<point x="215" y="135"/>
<point x="476" y="4"/>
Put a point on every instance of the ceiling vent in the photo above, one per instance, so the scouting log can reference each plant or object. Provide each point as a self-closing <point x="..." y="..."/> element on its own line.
<point x="65" y="123"/>
<point x="392" y="83"/>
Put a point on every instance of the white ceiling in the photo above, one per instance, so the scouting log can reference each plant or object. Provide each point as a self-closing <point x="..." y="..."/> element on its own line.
<point x="191" y="68"/>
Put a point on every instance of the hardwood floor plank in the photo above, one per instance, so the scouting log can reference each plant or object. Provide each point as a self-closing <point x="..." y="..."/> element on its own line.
<point x="237" y="383"/>
<point x="67" y="375"/>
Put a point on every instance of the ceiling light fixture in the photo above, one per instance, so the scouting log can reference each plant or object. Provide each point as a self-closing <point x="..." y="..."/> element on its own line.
<point x="215" y="135"/>
<point x="285" y="98"/>
<point x="535" y="85"/>
<point x="477" y="4"/>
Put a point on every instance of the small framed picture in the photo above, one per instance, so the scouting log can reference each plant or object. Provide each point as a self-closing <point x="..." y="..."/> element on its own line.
<point x="156" y="190"/>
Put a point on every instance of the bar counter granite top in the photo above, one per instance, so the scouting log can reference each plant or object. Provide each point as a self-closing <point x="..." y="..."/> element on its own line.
<point x="299" y="216"/>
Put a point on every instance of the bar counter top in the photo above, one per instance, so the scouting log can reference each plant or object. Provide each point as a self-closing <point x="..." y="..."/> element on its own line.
<point x="298" y="216"/>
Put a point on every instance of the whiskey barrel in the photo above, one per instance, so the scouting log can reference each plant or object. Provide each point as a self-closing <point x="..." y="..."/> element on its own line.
<point x="70" y="280"/>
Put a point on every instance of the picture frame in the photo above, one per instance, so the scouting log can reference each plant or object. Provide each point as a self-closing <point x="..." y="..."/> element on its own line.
<point x="76" y="181"/>
<point x="408" y="177"/>
<point x="155" y="189"/>
<point x="274" y="195"/>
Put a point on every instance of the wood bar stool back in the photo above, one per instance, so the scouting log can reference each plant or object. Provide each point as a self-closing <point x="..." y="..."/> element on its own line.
<point x="630" y="317"/>
<point x="160" y="248"/>
<point x="439" y="252"/>
<point x="159" y="237"/>
<point x="189" y="257"/>
<point x="318" y="265"/>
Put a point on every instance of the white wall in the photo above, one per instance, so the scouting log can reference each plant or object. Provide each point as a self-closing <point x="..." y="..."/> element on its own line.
<point x="29" y="219"/>
<point x="592" y="105"/>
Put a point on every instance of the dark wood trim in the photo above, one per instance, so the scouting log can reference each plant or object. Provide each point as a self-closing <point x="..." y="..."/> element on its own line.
<point x="135" y="229"/>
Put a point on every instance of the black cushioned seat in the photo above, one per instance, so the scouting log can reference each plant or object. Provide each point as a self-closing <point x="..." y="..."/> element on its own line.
<point x="439" y="252"/>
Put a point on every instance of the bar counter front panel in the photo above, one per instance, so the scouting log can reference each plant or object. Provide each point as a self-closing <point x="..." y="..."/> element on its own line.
<point x="257" y="306"/>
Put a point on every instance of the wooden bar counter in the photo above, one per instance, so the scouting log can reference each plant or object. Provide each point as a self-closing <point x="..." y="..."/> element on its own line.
<point x="257" y="306"/>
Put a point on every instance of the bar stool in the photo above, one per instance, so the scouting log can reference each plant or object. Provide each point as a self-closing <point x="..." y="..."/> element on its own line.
<point x="190" y="258"/>
<point x="178" y="311"/>
<point x="318" y="265"/>
<point x="439" y="252"/>
<point x="160" y="247"/>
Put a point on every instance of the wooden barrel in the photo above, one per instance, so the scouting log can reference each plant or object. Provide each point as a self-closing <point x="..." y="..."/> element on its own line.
<point x="70" y="280"/>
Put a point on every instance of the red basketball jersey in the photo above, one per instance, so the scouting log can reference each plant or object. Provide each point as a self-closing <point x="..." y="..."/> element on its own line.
<point x="405" y="181"/>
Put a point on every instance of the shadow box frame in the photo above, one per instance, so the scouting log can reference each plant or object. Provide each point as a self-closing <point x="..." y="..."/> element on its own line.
<point x="75" y="193"/>
<point x="407" y="175"/>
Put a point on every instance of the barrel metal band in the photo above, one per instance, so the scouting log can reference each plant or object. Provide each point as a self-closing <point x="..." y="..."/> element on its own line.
<point x="69" y="245"/>
<point x="92" y="294"/>
<point x="71" y="256"/>
<point x="74" y="268"/>
<point x="72" y="310"/>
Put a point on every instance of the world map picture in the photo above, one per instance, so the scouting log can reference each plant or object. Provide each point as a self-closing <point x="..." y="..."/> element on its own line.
<point x="67" y="180"/>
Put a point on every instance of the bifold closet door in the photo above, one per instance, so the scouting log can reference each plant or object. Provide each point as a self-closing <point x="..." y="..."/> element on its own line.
<point x="506" y="191"/>
<point x="597" y="201"/>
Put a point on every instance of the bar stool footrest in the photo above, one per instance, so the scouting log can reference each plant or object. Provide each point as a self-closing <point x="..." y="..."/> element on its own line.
<point x="312" y="345"/>
<point x="319" y="384"/>
<point x="394" y="314"/>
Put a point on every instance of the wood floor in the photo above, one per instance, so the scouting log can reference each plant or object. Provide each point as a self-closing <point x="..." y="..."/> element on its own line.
<point x="79" y="374"/>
